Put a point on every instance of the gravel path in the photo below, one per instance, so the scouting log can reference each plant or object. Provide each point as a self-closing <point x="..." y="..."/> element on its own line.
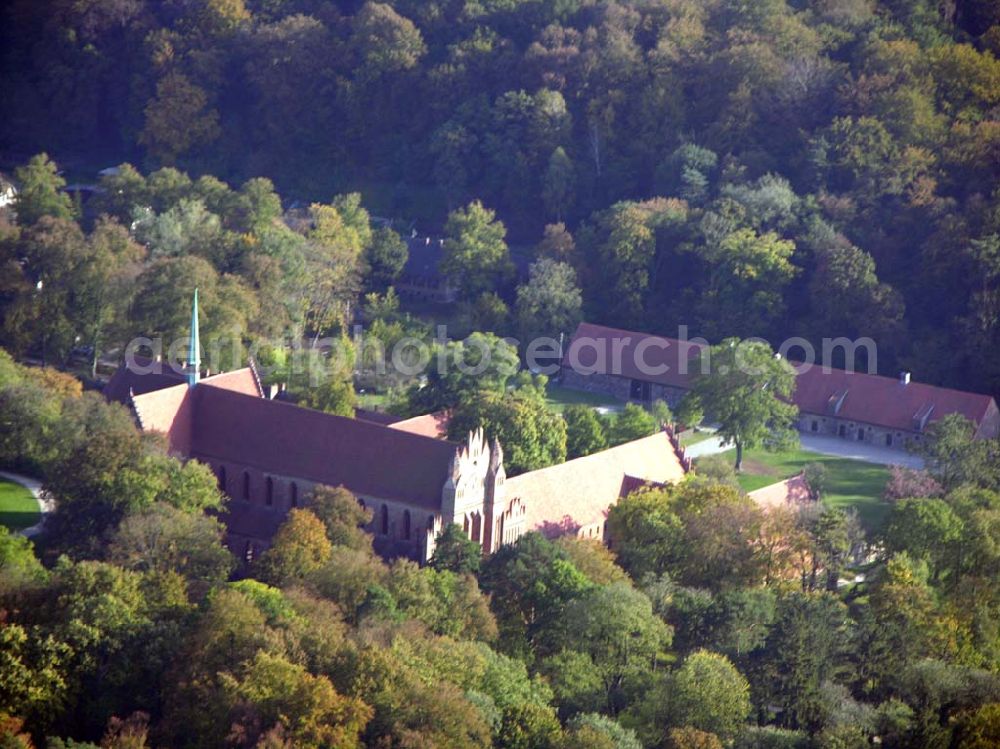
<point x="834" y="446"/>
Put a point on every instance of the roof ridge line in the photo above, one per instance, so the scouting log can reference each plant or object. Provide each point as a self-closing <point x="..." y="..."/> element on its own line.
<point x="364" y="424"/>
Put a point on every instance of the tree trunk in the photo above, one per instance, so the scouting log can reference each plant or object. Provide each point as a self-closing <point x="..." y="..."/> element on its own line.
<point x="832" y="576"/>
<point x="739" y="456"/>
<point x="94" y="355"/>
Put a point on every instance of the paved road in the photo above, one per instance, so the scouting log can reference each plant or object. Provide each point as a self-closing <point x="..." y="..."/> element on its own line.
<point x="860" y="451"/>
<point x="45" y="505"/>
<point x="827" y="446"/>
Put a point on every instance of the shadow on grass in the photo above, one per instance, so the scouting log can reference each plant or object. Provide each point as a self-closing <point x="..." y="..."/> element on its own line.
<point x="19" y="520"/>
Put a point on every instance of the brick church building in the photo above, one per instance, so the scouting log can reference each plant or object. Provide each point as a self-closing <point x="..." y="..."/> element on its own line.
<point x="269" y="454"/>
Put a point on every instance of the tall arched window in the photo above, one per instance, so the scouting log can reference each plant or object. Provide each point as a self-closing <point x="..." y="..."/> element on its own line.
<point x="269" y="491"/>
<point x="246" y="486"/>
<point x="385" y="520"/>
<point x="222" y="478"/>
<point x="295" y="494"/>
<point x="406" y="525"/>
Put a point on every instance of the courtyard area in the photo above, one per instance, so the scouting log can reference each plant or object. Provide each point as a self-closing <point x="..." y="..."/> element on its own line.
<point x="850" y="483"/>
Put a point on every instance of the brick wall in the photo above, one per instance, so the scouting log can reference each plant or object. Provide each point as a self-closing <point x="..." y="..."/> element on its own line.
<point x="619" y="387"/>
<point x="856" y="431"/>
<point x="389" y="527"/>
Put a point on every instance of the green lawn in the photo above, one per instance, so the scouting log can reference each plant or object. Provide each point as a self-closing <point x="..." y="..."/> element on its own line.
<point x="851" y="483"/>
<point x="373" y="401"/>
<point x="559" y="397"/>
<point x="18" y="508"/>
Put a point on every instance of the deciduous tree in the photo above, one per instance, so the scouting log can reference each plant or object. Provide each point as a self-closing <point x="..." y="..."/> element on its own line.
<point x="475" y="253"/>
<point x="550" y="303"/>
<point x="300" y="548"/>
<point x="40" y="191"/>
<point x="585" y="432"/>
<point x="746" y="391"/>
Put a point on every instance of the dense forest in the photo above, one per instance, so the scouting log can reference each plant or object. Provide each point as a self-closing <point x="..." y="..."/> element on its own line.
<point x="772" y="168"/>
<point x="710" y="623"/>
<point x="817" y="168"/>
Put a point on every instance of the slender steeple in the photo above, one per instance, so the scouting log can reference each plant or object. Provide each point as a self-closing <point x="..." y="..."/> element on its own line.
<point x="194" y="346"/>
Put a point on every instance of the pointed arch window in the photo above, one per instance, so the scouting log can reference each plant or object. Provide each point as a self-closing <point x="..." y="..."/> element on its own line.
<point x="246" y="485"/>
<point x="269" y="491"/>
<point x="222" y="478"/>
<point x="385" y="520"/>
<point x="406" y="525"/>
<point x="294" y="494"/>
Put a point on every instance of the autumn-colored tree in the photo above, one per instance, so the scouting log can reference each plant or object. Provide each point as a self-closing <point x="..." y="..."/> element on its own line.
<point x="178" y="119"/>
<point x="300" y="547"/>
<point x="343" y="515"/>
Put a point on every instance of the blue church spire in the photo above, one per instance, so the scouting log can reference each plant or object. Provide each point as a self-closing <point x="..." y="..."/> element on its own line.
<point x="194" y="346"/>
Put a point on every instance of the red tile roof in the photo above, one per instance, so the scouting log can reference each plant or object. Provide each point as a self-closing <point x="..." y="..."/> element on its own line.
<point x="288" y="440"/>
<point x="885" y="401"/>
<point x="429" y="425"/>
<point x="126" y="380"/>
<point x="239" y="381"/>
<point x="569" y="496"/>
<point x="226" y="418"/>
<point x="593" y="346"/>
<point x="632" y="484"/>
<point x="871" y="399"/>
<point x="793" y="491"/>
<point x="168" y="411"/>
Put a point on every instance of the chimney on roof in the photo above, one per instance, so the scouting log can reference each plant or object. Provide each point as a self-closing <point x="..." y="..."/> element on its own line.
<point x="904" y="378"/>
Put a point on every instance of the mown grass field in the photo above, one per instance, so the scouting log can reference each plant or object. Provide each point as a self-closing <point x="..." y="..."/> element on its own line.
<point x="850" y="483"/>
<point x="559" y="397"/>
<point x="18" y="508"/>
